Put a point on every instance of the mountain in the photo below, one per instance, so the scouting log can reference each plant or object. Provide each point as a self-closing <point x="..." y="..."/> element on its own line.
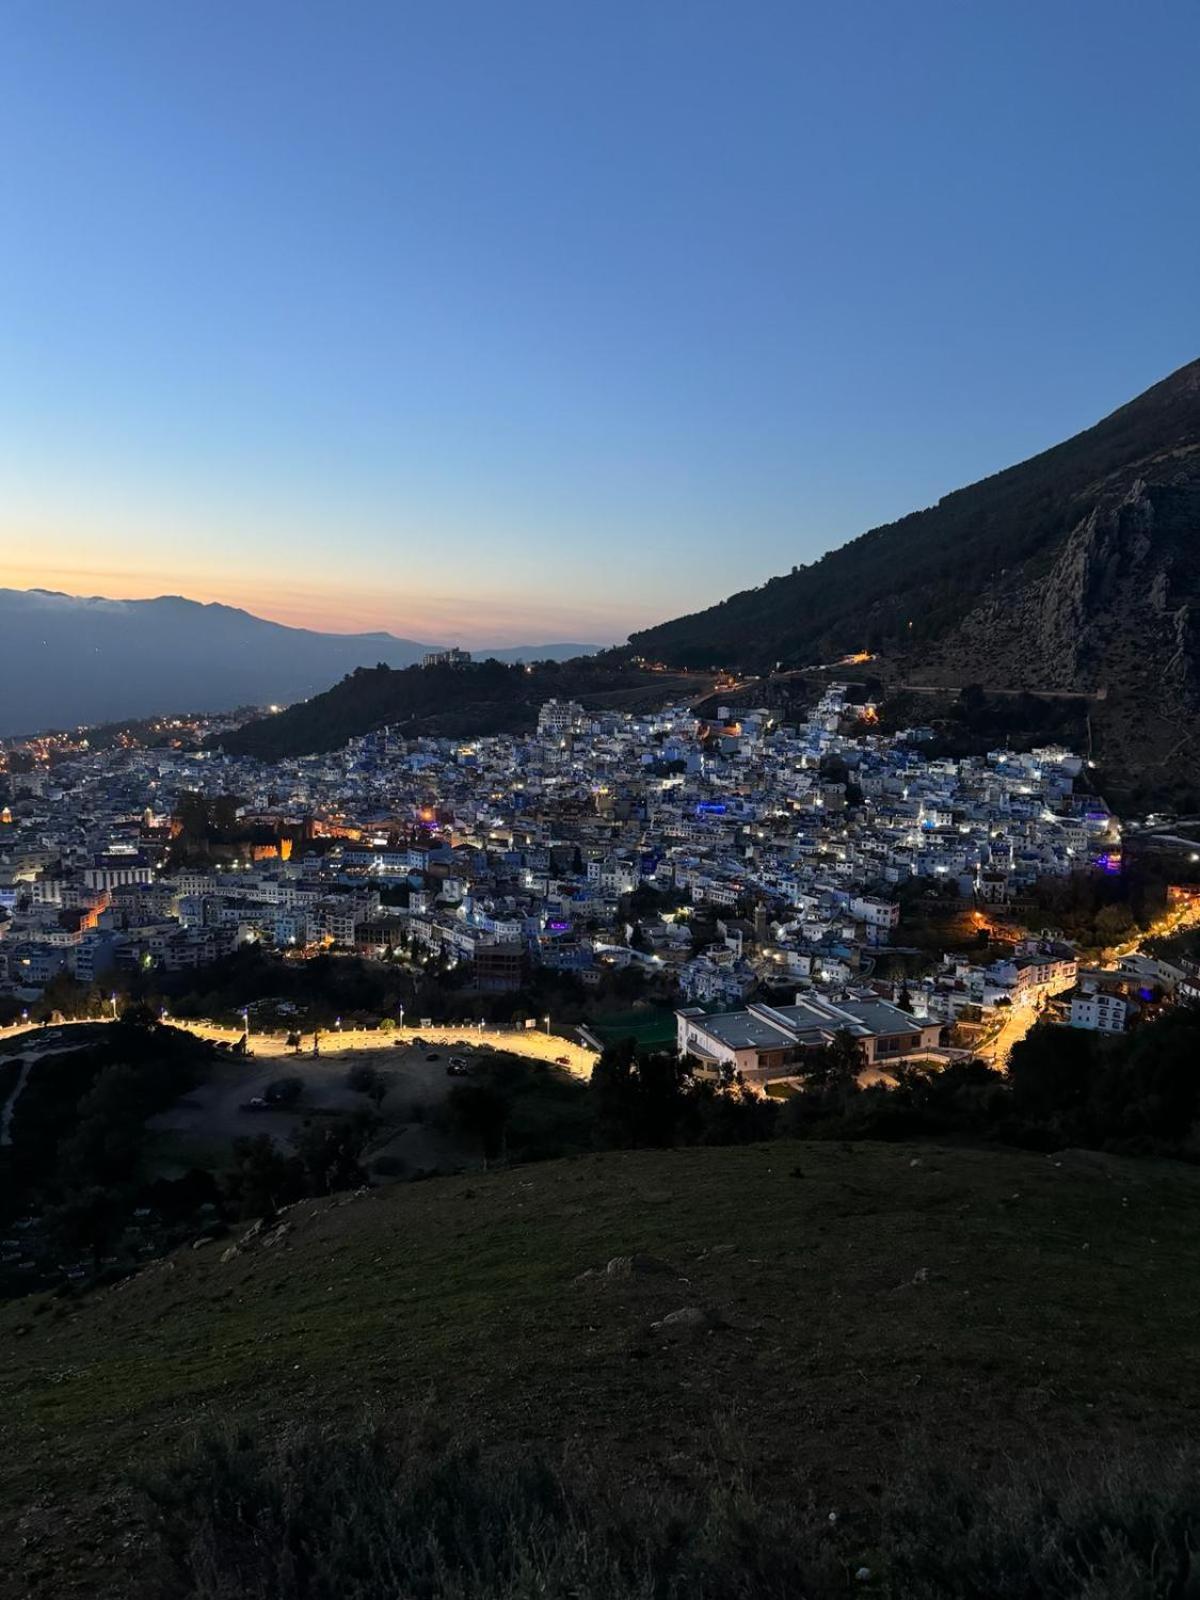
<point x="484" y="697"/>
<point x="67" y="660"/>
<point x="539" y="652"/>
<point x="1075" y="571"/>
<point x="867" y="1311"/>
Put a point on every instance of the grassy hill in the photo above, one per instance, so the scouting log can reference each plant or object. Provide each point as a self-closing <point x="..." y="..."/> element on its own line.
<point x="862" y="1306"/>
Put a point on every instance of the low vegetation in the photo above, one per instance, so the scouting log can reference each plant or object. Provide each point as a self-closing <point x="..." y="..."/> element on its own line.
<point x="811" y="1319"/>
<point x="379" y="1512"/>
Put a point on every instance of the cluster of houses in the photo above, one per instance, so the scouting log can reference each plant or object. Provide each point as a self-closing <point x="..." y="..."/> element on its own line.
<point x="724" y="857"/>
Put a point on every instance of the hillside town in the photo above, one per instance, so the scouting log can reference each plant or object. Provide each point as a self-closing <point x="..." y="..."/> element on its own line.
<point x="756" y="873"/>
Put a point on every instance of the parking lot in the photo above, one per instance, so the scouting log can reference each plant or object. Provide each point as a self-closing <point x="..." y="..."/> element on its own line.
<point x="201" y="1127"/>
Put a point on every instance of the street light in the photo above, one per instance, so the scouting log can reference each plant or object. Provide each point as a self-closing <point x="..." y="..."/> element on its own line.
<point x="246" y="1020"/>
<point x="113" y="998"/>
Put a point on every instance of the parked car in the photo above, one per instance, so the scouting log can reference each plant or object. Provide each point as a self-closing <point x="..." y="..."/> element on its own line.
<point x="433" y="1056"/>
<point x="256" y="1103"/>
<point x="562" y="1061"/>
<point x="458" y="1069"/>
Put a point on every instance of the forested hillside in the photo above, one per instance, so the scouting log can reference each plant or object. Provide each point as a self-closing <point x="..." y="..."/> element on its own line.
<point x="451" y="702"/>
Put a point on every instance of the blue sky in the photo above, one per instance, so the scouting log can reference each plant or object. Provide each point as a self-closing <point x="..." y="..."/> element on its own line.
<point x="496" y="322"/>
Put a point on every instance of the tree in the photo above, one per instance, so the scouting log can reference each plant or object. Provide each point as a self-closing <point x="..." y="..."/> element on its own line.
<point x="833" y="1069"/>
<point x="331" y="1152"/>
<point x="139" y="1015"/>
<point x="260" y="1177"/>
<point x="1051" y="1070"/>
<point x="638" y="1100"/>
<point x="480" y="1111"/>
<point x="103" y="1149"/>
<point x="366" y="1079"/>
<point x="90" y="1219"/>
<point x="284" y="1091"/>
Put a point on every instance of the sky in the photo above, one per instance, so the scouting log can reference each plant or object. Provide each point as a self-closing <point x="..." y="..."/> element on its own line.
<point x="523" y="322"/>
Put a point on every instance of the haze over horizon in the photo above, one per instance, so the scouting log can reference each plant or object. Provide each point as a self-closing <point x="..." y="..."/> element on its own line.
<point x="493" y="328"/>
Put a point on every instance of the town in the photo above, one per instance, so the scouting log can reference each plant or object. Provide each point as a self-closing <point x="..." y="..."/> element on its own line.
<point x="736" y="885"/>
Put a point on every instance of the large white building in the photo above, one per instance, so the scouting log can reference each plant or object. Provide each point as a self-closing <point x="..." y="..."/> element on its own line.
<point x="764" y="1041"/>
<point x="560" y="716"/>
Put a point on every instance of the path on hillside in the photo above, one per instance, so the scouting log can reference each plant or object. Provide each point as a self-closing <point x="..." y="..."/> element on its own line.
<point x="6" y="1112"/>
<point x="28" y="1061"/>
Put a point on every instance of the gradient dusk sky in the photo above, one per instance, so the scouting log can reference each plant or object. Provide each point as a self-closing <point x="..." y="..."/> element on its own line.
<point x="506" y="322"/>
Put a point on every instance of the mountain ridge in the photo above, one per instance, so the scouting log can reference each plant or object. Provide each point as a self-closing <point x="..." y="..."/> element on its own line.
<point x="1071" y="571"/>
<point x="73" y="660"/>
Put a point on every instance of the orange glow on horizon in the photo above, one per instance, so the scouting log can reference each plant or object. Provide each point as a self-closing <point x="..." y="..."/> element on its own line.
<point x="428" y="618"/>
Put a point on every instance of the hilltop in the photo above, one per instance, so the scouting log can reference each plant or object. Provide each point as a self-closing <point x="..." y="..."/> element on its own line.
<point x="1073" y="571"/>
<point x="483" y="697"/>
<point x="862" y="1304"/>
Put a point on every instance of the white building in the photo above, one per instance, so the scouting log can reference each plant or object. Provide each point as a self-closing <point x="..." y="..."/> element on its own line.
<point x="560" y="716"/>
<point x="1102" y="1013"/>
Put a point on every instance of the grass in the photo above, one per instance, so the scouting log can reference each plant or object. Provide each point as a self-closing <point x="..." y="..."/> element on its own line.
<point x="374" y="1512"/>
<point x="864" y="1301"/>
<point x="653" y="1030"/>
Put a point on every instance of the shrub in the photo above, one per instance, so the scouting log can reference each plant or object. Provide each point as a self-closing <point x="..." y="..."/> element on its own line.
<point x="375" y="1516"/>
<point x="363" y="1078"/>
<point x="284" y="1091"/>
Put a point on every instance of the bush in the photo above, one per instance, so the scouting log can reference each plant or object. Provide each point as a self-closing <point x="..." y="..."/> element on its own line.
<point x="284" y="1091"/>
<point x="376" y="1516"/>
<point x="363" y="1078"/>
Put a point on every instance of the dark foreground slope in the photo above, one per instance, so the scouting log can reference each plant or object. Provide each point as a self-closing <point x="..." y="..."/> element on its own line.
<point x="863" y="1304"/>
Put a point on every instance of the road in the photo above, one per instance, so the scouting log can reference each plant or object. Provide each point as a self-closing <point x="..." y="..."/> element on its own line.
<point x="1017" y="1024"/>
<point x="1013" y="1029"/>
<point x="531" y="1042"/>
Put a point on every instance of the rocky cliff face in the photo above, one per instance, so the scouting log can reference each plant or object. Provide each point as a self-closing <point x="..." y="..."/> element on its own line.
<point x="1075" y="570"/>
<point x="1115" y="615"/>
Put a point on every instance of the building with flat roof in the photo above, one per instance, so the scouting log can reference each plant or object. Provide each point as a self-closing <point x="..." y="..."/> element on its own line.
<point x="764" y="1041"/>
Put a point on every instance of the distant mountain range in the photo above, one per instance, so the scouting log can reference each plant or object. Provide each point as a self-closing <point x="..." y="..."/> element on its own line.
<point x="67" y="660"/>
<point x="1076" y="571"/>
